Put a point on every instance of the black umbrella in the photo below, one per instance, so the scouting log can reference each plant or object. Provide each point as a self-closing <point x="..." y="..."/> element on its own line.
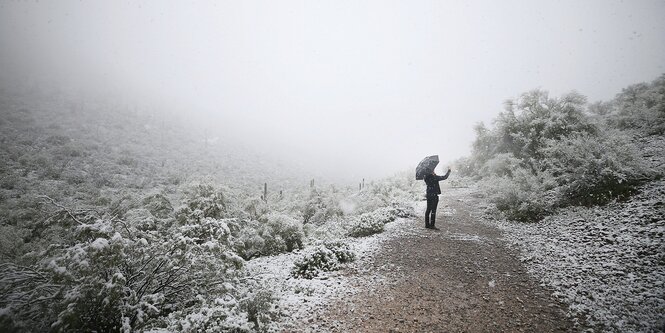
<point x="426" y="166"/>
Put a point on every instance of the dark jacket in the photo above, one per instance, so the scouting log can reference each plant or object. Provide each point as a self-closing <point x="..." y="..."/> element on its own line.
<point x="432" y="182"/>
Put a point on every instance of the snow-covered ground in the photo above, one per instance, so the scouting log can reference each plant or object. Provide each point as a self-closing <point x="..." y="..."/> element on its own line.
<point x="299" y="299"/>
<point x="607" y="263"/>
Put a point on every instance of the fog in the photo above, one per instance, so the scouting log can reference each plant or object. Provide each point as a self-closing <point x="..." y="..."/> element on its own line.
<point x="347" y="88"/>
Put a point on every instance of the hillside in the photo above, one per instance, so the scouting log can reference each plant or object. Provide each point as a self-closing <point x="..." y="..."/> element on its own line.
<point x="113" y="221"/>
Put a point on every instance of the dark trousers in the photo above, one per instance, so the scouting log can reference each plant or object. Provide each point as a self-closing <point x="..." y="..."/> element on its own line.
<point x="430" y="213"/>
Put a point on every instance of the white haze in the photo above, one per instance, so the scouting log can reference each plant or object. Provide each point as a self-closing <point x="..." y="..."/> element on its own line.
<point x="349" y="89"/>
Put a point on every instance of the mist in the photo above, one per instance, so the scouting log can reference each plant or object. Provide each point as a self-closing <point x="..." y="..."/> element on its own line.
<point x="346" y="89"/>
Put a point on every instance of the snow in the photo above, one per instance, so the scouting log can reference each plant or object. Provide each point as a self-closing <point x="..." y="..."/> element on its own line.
<point x="607" y="262"/>
<point x="298" y="299"/>
<point x="99" y="243"/>
<point x="5" y="311"/>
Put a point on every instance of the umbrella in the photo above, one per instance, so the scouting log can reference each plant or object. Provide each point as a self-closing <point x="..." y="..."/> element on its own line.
<point x="426" y="166"/>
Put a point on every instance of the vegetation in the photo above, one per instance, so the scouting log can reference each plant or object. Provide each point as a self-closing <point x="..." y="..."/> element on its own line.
<point x="543" y="153"/>
<point x="322" y="258"/>
<point x="111" y="222"/>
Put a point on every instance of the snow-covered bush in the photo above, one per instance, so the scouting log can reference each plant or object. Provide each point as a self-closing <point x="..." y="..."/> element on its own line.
<point x="403" y="209"/>
<point x="341" y="250"/>
<point x="399" y="190"/>
<point x="367" y="224"/>
<point x="279" y="233"/>
<point x="158" y="205"/>
<point x="257" y="304"/>
<point x="593" y="169"/>
<point x="282" y="233"/>
<point x="240" y="310"/>
<point x="639" y="107"/>
<point x="202" y="200"/>
<point x="255" y="208"/>
<point x="544" y="153"/>
<point x="320" y="207"/>
<point x="385" y="214"/>
<point x="142" y="219"/>
<point x="522" y="196"/>
<point x="322" y="258"/>
<point x="218" y="315"/>
<point x="115" y="277"/>
<point x="248" y="242"/>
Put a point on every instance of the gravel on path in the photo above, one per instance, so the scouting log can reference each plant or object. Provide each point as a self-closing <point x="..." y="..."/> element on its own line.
<point x="461" y="278"/>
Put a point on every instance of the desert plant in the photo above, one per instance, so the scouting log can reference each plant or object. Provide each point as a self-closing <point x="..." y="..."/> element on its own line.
<point x="322" y="258"/>
<point x="366" y="224"/>
<point x="201" y="201"/>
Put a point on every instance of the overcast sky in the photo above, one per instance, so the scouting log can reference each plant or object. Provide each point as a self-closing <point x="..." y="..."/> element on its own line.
<point x="350" y="88"/>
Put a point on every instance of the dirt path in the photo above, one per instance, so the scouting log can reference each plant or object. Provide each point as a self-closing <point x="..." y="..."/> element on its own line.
<point x="461" y="278"/>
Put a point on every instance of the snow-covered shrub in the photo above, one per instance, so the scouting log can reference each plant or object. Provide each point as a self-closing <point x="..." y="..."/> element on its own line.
<point x="367" y="224"/>
<point x="11" y="242"/>
<point x="282" y="233"/>
<point x="522" y="196"/>
<point x="315" y="261"/>
<point x="202" y="200"/>
<point x="386" y="214"/>
<point x="525" y="126"/>
<point x="218" y="315"/>
<point x="341" y="250"/>
<point x="141" y="219"/>
<point x="279" y="233"/>
<point x="257" y="304"/>
<point x="399" y="190"/>
<point x="403" y="210"/>
<point x="593" y="169"/>
<point x="336" y="227"/>
<point x="256" y="208"/>
<point x="639" y="107"/>
<point x="158" y="205"/>
<point x="248" y="242"/>
<point x="321" y="207"/>
<point x="544" y="153"/>
<point x="115" y="277"/>
<point x="371" y="200"/>
<point x="322" y="258"/>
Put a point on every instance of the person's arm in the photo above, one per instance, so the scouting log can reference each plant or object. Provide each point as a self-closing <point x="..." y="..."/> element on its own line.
<point x="444" y="177"/>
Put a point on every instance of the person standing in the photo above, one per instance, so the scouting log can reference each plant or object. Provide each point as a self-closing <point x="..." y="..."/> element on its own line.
<point x="433" y="191"/>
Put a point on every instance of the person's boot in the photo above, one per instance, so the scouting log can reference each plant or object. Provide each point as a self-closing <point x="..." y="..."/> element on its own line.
<point x="427" y="221"/>
<point x="432" y="221"/>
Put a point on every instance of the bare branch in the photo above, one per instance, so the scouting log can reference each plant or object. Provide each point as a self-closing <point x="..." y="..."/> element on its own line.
<point x="65" y="209"/>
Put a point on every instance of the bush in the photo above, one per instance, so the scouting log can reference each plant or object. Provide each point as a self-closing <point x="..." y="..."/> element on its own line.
<point x="385" y="214"/>
<point x="249" y="243"/>
<point x="218" y="315"/>
<point x="523" y="196"/>
<point x="322" y="258"/>
<point x="341" y="250"/>
<point x="116" y="277"/>
<point x="403" y="210"/>
<point x="367" y="224"/>
<point x="544" y="153"/>
<point x="258" y="305"/>
<point x="201" y="201"/>
<point x="592" y="170"/>
<point x="640" y="107"/>
<point x="320" y="207"/>
<point x="280" y="233"/>
<point x="158" y="205"/>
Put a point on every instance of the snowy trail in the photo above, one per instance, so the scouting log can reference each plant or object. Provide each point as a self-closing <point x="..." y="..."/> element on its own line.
<point x="462" y="278"/>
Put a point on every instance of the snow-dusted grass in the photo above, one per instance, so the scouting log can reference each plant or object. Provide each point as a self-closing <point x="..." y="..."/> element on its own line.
<point x="607" y="263"/>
